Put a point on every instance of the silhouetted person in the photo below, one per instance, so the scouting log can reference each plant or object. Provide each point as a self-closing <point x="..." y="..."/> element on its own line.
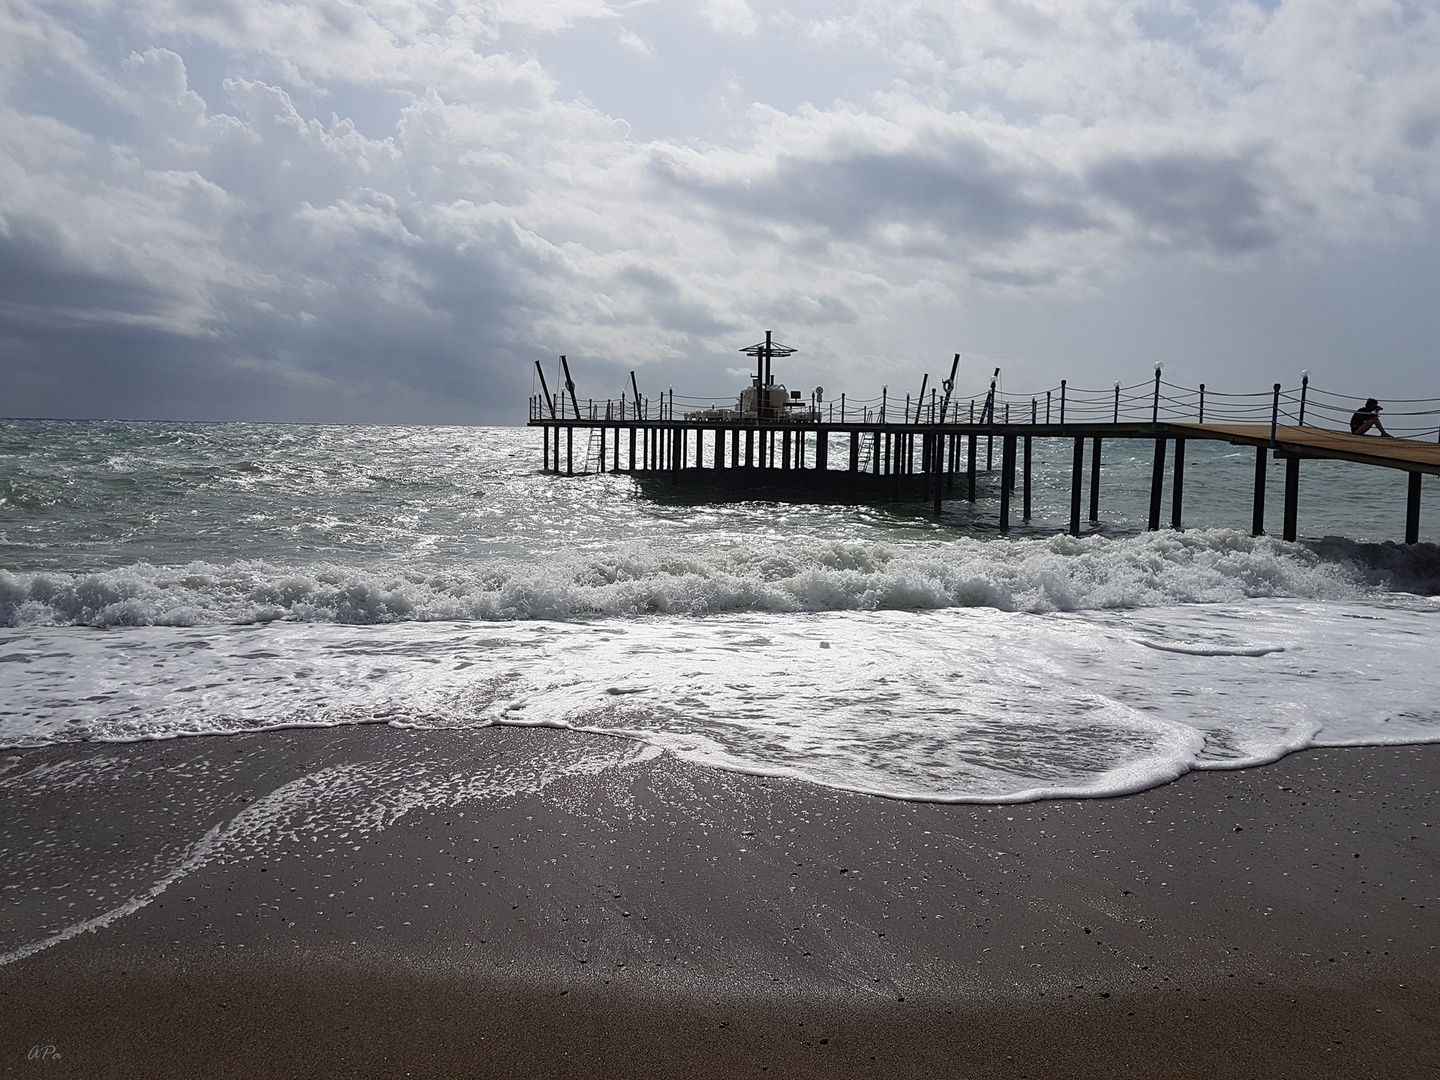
<point x="1366" y="417"/>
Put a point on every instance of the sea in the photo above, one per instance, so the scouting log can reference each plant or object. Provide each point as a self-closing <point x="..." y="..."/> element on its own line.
<point x="163" y="581"/>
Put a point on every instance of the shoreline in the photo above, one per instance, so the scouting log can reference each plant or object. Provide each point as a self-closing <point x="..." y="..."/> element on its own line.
<point x="568" y="901"/>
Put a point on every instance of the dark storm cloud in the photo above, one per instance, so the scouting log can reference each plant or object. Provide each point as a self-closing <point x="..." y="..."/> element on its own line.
<point x="1194" y="200"/>
<point x="958" y="188"/>
<point x="974" y="198"/>
<point x="79" y="343"/>
<point x="39" y="289"/>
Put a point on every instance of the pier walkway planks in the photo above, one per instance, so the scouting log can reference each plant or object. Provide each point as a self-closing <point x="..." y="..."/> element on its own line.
<point x="1410" y="455"/>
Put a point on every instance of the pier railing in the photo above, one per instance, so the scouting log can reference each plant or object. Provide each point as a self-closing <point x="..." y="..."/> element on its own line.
<point x="1154" y="400"/>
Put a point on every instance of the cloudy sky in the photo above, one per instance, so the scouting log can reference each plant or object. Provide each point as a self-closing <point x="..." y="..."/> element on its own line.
<point x="387" y="210"/>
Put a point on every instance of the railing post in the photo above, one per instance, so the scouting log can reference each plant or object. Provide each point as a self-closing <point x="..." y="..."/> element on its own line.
<point x="1062" y="405"/>
<point x="1274" y="415"/>
<point x="1202" y="403"/>
<point x="1047" y="407"/>
<point x="1304" y="389"/>
<point x="1155" y="407"/>
<point x="1115" y="419"/>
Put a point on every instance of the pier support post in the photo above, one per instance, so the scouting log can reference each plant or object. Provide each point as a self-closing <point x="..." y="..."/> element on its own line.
<point x="970" y="471"/>
<point x="601" y="467"/>
<point x="1095" y="481"/>
<point x="546" y="459"/>
<point x="616" y="451"/>
<point x="734" y="448"/>
<point x="1077" y="476"/>
<point x="1007" y="479"/>
<point x="1292" y="497"/>
<point x="632" y="449"/>
<point x="569" y="451"/>
<point x="785" y="450"/>
<point x="822" y="450"/>
<point x="1412" y="510"/>
<point x="1026" y="486"/>
<point x="1177" y="501"/>
<point x="749" y="448"/>
<point x="927" y="454"/>
<point x="939" y="447"/>
<point x="1257" y="516"/>
<point x="1157" y="483"/>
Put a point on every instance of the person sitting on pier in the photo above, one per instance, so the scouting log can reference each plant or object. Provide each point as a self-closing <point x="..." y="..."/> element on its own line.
<point x="1366" y="417"/>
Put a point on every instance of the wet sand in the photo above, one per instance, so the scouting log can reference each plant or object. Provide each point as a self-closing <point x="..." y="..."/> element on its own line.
<point x="650" y="918"/>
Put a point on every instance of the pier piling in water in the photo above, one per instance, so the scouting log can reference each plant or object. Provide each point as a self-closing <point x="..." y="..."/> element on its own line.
<point x="1157" y="483"/>
<point x="1177" y="497"/>
<point x="1095" y="481"/>
<point x="1077" y="472"/>
<point x="1292" y="497"/>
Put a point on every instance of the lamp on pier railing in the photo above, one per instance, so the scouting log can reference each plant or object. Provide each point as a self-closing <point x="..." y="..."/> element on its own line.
<point x="1155" y="407"/>
<point x="1304" y="388"/>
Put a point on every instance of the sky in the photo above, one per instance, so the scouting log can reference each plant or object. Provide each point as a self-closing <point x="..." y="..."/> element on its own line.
<point x="385" y="211"/>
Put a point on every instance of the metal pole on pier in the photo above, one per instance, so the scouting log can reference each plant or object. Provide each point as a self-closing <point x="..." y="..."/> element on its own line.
<point x="570" y="386"/>
<point x="949" y="385"/>
<point x="544" y="389"/>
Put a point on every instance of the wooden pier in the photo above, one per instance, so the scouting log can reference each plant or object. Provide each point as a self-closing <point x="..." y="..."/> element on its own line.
<point x="934" y="452"/>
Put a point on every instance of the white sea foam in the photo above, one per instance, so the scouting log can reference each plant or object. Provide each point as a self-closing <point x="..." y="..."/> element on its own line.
<point x="249" y="578"/>
<point x="968" y="704"/>
<point x="1059" y="573"/>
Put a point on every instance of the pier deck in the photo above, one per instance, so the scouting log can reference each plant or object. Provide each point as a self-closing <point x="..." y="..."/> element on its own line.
<point x="888" y="449"/>
<point x="900" y="462"/>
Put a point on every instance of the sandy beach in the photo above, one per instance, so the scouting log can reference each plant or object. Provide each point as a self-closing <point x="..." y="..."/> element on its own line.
<point x="653" y="918"/>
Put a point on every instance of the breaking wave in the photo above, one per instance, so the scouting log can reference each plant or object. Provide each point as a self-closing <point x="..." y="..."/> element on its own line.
<point x="1059" y="573"/>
